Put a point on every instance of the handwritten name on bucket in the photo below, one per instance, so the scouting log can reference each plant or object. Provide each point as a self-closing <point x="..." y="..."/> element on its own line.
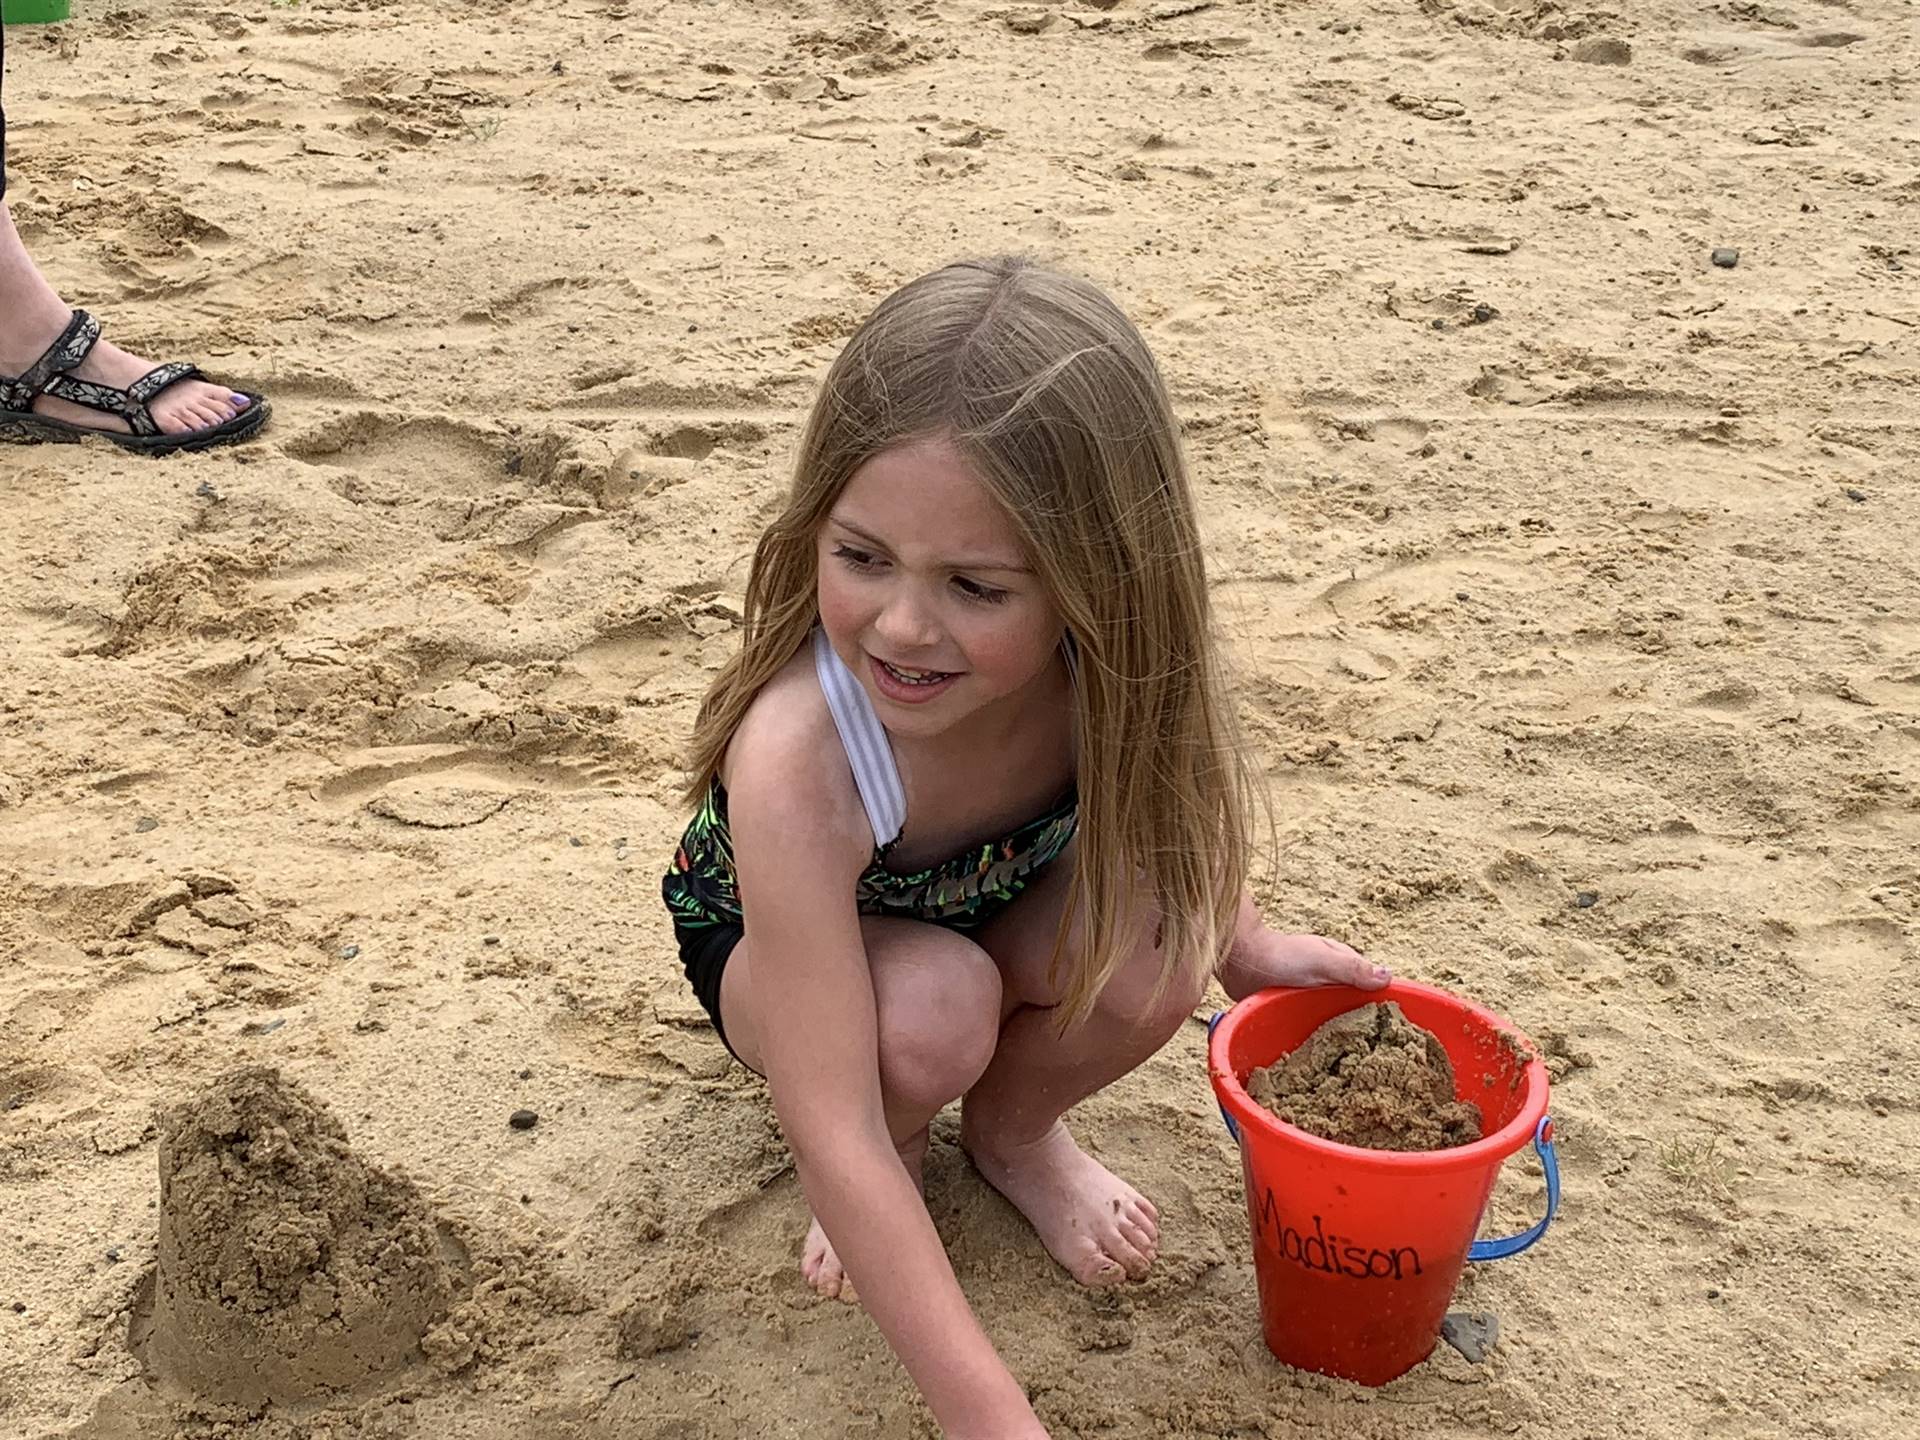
<point x="1334" y="1254"/>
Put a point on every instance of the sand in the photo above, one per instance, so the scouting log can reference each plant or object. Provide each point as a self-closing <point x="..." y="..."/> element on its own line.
<point x="1557" y="563"/>
<point x="1370" y="1078"/>
<point x="288" y="1269"/>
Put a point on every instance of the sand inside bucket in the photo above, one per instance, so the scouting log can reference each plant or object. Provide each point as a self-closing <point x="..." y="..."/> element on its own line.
<point x="289" y="1267"/>
<point x="1370" y="1078"/>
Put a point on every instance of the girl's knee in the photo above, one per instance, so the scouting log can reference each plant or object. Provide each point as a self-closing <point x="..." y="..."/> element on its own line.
<point x="939" y="1020"/>
<point x="1137" y="1001"/>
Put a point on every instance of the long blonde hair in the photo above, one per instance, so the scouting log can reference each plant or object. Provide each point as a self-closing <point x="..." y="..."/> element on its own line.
<point x="1051" y="394"/>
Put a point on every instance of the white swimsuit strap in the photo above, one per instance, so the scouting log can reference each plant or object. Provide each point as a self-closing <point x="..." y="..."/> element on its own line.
<point x="865" y="741"/>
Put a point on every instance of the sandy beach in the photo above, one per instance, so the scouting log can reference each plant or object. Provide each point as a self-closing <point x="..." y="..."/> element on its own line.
<point x="1572" y="579"/>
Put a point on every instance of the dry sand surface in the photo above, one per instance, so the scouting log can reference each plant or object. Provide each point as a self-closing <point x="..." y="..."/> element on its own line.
<point x="1573" y="580"/>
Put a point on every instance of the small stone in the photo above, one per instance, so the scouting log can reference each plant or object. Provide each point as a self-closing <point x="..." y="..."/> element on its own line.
<point x="489" y="939"/>
<point x="1713" y="1294"/>
<point x="262" y="1027"/>
<point x="144" y="824"/>
<point x="1483" y="312"/>
<point x="1438" y="323"/>
<point x="19" y="1307"/>
<point x="14" y="1102"/>
<point x="1726" y="257"/>
<point x="348" y="952"/>
<point x="526" y="1199"/>
<point x="206" y="491"/>
<point x="575" y="841"/>
<point x="526" y="1074"/>
<point x="1462" y="595"/>
<point x="523" y="1119"/>
<point x="113" y="1255"/>
<point x="1857" y="496"/>
<point x="1472" y="1335"/>
<point x="1587" y="899"/>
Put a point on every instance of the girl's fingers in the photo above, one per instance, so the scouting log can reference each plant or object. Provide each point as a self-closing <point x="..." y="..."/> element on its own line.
<point x="1329" y="962"/>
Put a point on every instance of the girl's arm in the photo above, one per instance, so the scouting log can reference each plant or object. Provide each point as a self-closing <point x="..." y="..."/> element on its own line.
<point x="1260" y="958"/>
<point x="799" y="846"/>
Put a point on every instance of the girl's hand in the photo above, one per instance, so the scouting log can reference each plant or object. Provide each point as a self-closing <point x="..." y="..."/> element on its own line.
<point x="1263" y="959"/>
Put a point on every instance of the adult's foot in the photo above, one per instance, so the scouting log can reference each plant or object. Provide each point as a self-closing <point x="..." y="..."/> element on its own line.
<point x="1101" y="1229"/>
<point x="819" y="1264"/>
<point x="182" y="407"/>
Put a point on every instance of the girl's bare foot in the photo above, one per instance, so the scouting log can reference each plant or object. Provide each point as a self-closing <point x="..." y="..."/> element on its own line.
<point x="818" y="1263"/>
<point x="1094" y="1223"/>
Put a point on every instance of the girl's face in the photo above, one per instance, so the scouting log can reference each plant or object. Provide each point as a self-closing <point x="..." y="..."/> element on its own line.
<point x="926" y="593"/>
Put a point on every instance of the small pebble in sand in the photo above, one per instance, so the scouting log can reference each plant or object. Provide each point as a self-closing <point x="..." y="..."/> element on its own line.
<point x="19" y="1307"/>
<point x="1857" y="496"/>
<point x="1371" y="1078"/>
<point x="523" y="1119"/>
<point x="1726" y="257"/>
<point x="489" y="939"/>
<point x="144" y="824"/>
<point x="1587" y="899"/>
<point x="347" y="952"/>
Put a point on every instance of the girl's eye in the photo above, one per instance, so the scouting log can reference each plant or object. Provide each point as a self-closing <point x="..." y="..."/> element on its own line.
<point x="857" y="559"/>
<point x="974" y="590"/>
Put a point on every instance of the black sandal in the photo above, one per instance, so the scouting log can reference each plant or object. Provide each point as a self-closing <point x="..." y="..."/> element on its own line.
<point x="49" y="376"/>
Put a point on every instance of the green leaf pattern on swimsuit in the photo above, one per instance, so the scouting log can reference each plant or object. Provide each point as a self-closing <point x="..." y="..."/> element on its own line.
<point x="701" y="889"/>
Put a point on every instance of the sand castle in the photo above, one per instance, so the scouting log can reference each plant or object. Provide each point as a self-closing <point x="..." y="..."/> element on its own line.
<point x="290" y="1269"/>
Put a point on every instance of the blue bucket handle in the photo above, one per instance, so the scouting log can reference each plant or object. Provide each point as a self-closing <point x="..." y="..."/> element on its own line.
<point x="1480" y="1249"/>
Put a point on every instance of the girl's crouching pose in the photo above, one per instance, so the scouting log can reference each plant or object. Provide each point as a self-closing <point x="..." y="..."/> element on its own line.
<point x="972" y="808"/>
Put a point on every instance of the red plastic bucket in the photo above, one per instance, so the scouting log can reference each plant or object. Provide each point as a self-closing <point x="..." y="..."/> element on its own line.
<point x="1357" y="1252"/>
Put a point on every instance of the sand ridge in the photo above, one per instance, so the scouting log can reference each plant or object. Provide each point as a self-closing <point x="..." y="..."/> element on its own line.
<point x="1570" y="576"/>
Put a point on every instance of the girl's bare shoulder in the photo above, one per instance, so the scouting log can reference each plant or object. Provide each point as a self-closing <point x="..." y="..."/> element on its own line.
<point x="785" y="766"/>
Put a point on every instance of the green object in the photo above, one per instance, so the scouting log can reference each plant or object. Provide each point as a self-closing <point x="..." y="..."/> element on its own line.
<point x="35" y="12"/>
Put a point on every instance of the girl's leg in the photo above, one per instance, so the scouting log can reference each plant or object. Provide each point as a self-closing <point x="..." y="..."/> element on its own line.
<point x="1095" y="1224"/>
<point x="937" y="1003"/>
<point x="32" y="316"/>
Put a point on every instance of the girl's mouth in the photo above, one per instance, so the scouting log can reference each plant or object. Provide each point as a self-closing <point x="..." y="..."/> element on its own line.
<point x="910" y="686"/>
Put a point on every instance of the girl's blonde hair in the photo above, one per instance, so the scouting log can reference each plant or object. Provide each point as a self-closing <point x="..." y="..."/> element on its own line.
<point x="1051" y="394"/>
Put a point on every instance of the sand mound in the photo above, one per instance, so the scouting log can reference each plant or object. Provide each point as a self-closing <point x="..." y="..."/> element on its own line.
<point x="1372" y="1078"/>
<point x="289" y="1268"/>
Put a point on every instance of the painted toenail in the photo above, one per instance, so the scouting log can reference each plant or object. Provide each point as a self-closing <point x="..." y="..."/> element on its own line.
<point x="240" y="402"/>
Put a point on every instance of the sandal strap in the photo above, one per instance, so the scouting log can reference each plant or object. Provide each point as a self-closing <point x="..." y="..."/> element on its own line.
<point x="106" y="400"/>
<point x="130" y="404"/>
<point x="159" y="378"/>
<point x="73" y="346"/>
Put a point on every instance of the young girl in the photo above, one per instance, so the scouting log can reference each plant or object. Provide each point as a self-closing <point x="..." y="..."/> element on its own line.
<point x="972" y="804"/>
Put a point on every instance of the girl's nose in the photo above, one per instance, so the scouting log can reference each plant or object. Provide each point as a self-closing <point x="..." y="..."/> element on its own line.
<point x="906" y="623"/>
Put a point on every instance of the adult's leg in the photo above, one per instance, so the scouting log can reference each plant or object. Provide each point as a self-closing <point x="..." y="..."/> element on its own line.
<point x="1091" y="1221"/>
<point x="937" y="1007"/>
<point x="32" y="316"/>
